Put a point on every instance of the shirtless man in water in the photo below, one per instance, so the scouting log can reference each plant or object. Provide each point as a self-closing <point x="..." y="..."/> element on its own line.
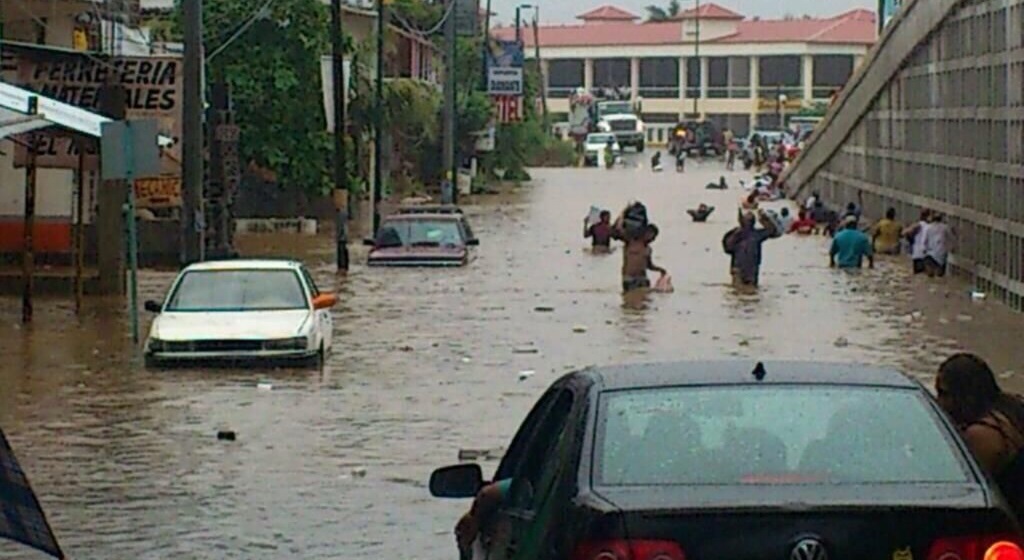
<point x="637" y="259"/>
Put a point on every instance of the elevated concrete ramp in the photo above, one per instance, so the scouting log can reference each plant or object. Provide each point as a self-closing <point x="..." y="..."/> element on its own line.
<point x="934" y="119"/>
<point x="905" y="33"/>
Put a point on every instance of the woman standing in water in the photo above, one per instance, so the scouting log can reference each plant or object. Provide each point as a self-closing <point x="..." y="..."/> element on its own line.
<point x="991" y="421"/>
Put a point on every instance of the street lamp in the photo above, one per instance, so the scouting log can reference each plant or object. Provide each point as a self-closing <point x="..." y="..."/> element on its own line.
<point x="519" y="9"/>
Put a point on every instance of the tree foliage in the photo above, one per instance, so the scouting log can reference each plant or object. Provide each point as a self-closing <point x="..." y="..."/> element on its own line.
<point x="658" y="13"/>
<point x="273" y="69"/>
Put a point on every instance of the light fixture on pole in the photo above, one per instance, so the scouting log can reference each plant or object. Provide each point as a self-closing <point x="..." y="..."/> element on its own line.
<point x="519" y="9"/>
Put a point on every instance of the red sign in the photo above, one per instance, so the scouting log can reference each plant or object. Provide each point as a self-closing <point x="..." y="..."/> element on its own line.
<point x="509" y="108"/>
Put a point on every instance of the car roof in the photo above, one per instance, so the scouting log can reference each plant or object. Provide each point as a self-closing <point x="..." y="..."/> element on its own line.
<point x="741" y="372"/>
<point x="246" y="264"/>
<point x="423" y="216"/>
<point x="429" y="209"/>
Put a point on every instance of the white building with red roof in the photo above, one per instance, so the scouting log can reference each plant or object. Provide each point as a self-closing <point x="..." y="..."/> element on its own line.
<point x="713" y="63"/>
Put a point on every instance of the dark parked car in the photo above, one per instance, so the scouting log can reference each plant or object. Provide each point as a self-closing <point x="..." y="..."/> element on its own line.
<point x="421" y="240"/>
<point x="741" y="461"/>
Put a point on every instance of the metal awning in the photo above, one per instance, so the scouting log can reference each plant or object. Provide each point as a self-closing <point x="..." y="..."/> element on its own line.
<point x="13" y="122"/>
<point x="16" y="103"/>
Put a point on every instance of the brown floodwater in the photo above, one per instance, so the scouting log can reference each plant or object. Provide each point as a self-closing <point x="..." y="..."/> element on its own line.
<point x="334" y="463"/>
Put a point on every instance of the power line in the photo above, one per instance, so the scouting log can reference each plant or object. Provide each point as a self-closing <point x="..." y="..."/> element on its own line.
<point x="256" y="16"/>
<point x="424" y="34"/>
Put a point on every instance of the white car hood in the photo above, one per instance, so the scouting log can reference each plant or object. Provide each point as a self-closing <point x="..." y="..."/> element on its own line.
<point x="245" y="325"/>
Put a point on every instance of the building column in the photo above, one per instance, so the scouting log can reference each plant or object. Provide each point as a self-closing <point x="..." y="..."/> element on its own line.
<point x="755" y="77"/>
<point x="588" y="74"/>
<point x="110" y="229"/>
<point x="634" y="79"/>
<point x="703" y="80"/>
<point x="808" y="77"/>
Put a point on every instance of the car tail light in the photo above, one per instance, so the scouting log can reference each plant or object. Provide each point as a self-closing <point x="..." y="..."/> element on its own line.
<point x="982" y="547"/>
<point x="629" y="550"/>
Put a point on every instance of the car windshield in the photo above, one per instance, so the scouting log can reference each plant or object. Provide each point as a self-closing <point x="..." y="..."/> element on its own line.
<point x="600" y="138"/>
<point x="420" y="233"/>
<point x="616" y="108"/>
<point x="772" y="435"/>
<point x="238" y="290"/>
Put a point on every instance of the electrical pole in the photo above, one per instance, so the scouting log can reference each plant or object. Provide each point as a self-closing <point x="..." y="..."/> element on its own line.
<point x="519" y="34"/>
<point x="378" y="119"/>
<point x="540" y="68"/>
<point x="449" y="105"/>
<point x="340" y="161"/>
<point x="192" y="217"/>
<point x="696" y="55"/>
<point x="487" y="45"/>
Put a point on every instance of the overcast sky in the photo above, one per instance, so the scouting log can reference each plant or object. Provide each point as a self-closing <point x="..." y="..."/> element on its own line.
<point x="565" y="11"/>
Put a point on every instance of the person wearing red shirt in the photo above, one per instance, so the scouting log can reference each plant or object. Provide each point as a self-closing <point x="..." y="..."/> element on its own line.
<point x="803" y="225"/>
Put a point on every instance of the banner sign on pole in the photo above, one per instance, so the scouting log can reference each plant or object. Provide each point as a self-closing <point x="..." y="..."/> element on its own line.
<point x="508" y="108"/>
<point x="505" y="81"/>
<point x="467" y="18"/>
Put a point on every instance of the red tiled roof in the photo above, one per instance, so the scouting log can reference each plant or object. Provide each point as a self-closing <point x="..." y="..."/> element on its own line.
<point x="709" y="11"/>
<point x="608" y="13"/>
<point x="853" y="27"/>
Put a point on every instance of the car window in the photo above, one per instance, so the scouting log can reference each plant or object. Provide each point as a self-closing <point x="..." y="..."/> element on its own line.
<point x="238" y="290"/>
<point x="769" y="434"/>
<point x="420" y="233"/>
<point x="313" y="290"/>
<point x="532" y="476"/>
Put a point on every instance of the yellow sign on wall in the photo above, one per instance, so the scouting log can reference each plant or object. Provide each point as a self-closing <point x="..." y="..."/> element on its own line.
<point x="769" y="104"/>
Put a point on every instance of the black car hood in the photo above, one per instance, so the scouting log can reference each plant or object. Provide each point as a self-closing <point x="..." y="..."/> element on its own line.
<point x="794" y="497"/>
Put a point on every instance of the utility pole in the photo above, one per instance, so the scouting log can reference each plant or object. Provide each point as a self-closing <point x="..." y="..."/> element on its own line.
<point x="881" y="17"/>
<point x="696" y="56"/>
<point x="340" y="160"/>
<point x="540" y="68"/>
<point x="487" y="45"/>
<point x="378" y="118"/>
<point x="192" y="217"/>
<point x="449" y="106"/>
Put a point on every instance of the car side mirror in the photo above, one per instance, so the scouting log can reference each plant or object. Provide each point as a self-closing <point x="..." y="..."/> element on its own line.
<point x="459" y="481"/>
<point x="325" y="301"/>
<point x="152" y="306"/>
<point x="473" y="242"/>
<point x="370" y="242"/>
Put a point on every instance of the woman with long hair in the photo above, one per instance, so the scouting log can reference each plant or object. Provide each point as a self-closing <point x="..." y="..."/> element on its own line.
<point x="990" y="419"/>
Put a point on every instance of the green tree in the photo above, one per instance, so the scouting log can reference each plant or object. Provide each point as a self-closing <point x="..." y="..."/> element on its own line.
<point x="657" y="13"/>
<point x="273" y="69"/>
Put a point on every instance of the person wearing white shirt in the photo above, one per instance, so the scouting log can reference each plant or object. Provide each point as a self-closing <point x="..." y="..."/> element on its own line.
<point x="937" y="239"/>
<point x="916" y="234"/>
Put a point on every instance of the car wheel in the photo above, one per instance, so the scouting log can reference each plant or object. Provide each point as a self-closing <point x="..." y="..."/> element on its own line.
<point x="317" y="361"/>
<point x="640" y="147"/>
<point x="151" y="362"/>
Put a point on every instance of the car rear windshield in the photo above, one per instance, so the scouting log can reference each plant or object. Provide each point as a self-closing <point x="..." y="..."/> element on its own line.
<point x="238" y="290"/>
<point x="422" y="233"/>
<point x="749" y="434"/>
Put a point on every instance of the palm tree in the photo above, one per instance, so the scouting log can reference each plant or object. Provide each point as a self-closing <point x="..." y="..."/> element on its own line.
<point x="657" y="13"/>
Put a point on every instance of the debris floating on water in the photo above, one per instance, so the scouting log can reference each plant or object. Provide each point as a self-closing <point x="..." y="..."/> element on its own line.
<point x="226" y="435"/>
<point x="264" y="386"/>
<point x="544" y="309"/>
<point x="526" y="350"/>
<point x="526" y="374"/>
<point x="841" y="342"/>
<point x="359" y="472"/>
<point x="977" y="296"/>
<point x="964" y="318"/>
<point x="579" y="329"/>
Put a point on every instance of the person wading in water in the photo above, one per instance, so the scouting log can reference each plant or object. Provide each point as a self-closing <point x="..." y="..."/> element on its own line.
<point x="991" y="421"/>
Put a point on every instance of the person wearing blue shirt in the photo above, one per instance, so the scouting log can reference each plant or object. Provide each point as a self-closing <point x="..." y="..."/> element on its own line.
<point x="850" y="246"/>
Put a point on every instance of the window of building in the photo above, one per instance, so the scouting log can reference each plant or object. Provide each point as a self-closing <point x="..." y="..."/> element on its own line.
<point x="564" y="77"/>
<point x="693" y="78"/>
<point x="729" y="77"/>
<point x="659" y="78"/>
<point x="831" y="72"/>
<point x="612" y="73"/>
<point x="718" y="77"/>
<point x="780" y="75"/>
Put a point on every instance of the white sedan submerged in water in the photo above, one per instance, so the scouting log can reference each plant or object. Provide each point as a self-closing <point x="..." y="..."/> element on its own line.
<point x="242" y="310"/>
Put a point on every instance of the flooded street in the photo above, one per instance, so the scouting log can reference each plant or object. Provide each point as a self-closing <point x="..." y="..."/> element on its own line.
<point x="334" y="464"/>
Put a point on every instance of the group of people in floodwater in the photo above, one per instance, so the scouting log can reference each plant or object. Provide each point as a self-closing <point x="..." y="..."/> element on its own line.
<point x="927" y="241"/>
